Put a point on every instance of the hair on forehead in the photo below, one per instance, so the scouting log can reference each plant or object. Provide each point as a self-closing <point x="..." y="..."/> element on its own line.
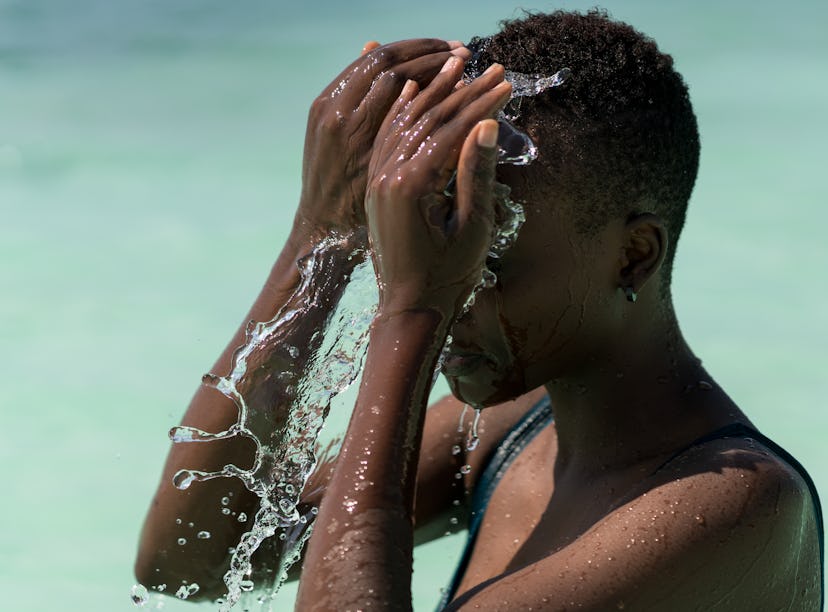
<point x="619" y="136"/>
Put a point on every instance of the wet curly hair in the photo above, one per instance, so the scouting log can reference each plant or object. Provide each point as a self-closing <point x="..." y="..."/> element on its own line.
<point x="619" y="137"/>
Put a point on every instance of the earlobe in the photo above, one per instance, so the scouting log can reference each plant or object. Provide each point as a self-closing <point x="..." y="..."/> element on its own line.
<point x="644" y="251"/>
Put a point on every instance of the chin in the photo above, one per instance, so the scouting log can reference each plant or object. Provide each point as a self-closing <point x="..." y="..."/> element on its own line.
<point x="479" y="393"/>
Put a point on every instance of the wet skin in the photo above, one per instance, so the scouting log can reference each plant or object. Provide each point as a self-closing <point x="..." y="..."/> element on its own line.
<point x="627" y="391"/>
<point x="624" y="384"/>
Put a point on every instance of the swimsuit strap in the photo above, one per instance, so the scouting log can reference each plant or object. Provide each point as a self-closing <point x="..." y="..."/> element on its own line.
<point x="518" y="438"/>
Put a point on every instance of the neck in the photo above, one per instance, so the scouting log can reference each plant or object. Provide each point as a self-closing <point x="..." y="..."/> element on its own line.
<point x="637" y="403"/>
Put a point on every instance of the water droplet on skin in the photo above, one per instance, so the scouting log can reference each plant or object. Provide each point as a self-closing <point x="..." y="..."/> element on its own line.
<point x="314" y="510"/>
<point x="246" y="585"/>
<point x="225" y="511"/>
<point x="242" y="517"/>
<point x="225" y="501"/>
<point x="703" y="384"/>
<point x="182" y="541"/>
<point x="466" y="469"/>
<point x="178" y="521"/>
<point x="700" y="519"/>
<point x="139" y="595"/>
<point x="455" y="450"/>
<point x="203" y="535"/>
<point x="186" y="590"/>
<point x="453" y="520"/>
<point x="293" y="351"/>
<point x="458" y="476"/>
<point x="183" y="479"/>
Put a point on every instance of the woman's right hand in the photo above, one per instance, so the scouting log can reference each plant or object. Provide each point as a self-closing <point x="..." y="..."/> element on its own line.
<point x="342" y="124"/>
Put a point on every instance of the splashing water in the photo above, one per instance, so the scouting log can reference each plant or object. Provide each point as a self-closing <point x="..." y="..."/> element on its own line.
<point x="283" y="393"/>
<point x="283" y="390"/>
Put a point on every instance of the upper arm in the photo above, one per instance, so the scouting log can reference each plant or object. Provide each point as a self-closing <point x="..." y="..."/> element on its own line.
<point x="732" y="536"/>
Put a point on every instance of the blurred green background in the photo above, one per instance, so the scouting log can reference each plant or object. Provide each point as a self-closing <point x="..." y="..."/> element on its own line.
<point x="149" y="168"/>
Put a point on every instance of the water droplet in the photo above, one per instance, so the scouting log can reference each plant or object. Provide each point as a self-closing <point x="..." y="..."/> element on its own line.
<point x="293" y="351"/>
<point x="182" y="541"/>
<point x="314" y="510"/>
<point x="462" y="418"/>
<point x="242" y="517"/>
<point x="139" y="595"/>
<point x="225" y="511"/>
<point x="210" y="380"/>
<point x="703" y="384"/>
<point x="183" y="479"/>
<point x="186" y="590"/>
<point x="455" y="450"/>
<point x="203" y="535"/>
<point x="465" y="469"/>
<point x="453" y="520"/>
<point x="458" y="476"/>
<point x="225" y="501"/>
<point x="178" y="521"/>
<point x="246" y="585"/>
<point x="290" y="489"/>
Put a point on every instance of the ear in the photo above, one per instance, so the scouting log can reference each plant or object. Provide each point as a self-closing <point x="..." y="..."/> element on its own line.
<point x="644" y="249"/>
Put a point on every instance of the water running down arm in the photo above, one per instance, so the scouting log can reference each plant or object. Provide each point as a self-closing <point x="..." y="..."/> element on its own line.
<point x="428" y="253"/>
<point x="341" y="128"/>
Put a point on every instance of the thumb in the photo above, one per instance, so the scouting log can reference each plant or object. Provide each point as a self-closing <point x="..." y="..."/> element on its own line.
<point x="476" y="174"/>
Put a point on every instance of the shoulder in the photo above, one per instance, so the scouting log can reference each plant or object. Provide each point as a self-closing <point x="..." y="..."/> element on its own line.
<point x="727" y="525"/>
<point x="729" y="519"/>
<point x="732" y="518"/>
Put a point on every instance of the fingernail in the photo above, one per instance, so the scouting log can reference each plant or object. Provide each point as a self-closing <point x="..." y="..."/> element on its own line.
<point x="487" y="133"/>
<point x="491" y="68"/>
<point x="462" y="52"/>
<point x="450" y="63"/>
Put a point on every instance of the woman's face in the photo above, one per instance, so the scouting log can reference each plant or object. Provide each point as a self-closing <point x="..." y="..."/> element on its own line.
<point x="554" y="301"/>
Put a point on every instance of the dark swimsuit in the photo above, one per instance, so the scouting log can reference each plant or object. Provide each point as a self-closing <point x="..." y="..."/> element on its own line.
<point x="536" y="419"/>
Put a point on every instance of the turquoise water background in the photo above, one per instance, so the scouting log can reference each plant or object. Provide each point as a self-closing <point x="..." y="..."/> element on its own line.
<point x="149" y="168"/>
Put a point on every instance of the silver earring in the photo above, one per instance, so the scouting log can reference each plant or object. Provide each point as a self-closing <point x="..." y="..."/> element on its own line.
<point x="632" y="296"/>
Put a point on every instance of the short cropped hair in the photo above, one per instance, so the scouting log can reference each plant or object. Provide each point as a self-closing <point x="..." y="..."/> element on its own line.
<point x="619" y="136"/>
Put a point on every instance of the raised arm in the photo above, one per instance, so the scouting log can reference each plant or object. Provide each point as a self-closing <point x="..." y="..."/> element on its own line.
<point x="428" y="252"/>
<point x="341" y="128"/>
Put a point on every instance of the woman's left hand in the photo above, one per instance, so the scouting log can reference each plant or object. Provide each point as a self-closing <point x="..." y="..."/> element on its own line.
<point x="429" y="249"/>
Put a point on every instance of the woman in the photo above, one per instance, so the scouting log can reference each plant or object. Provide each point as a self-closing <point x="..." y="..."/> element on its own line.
<point x="650" y="489"/>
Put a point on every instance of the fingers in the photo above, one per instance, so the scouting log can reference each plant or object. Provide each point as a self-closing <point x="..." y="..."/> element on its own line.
<point x="356" y="80"/>
<point x="385" y="140"/>
<point x="476" y="174"/>
<point x="375" y="105"/>
<point x="446" y="132"/>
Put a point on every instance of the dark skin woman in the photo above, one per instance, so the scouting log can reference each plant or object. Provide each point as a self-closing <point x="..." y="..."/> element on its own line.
<point x="651" y="489"/>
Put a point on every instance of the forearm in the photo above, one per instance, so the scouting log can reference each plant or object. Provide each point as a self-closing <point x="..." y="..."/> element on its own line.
<point x="360" y="553"/>
<point x="161" y="558"/>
